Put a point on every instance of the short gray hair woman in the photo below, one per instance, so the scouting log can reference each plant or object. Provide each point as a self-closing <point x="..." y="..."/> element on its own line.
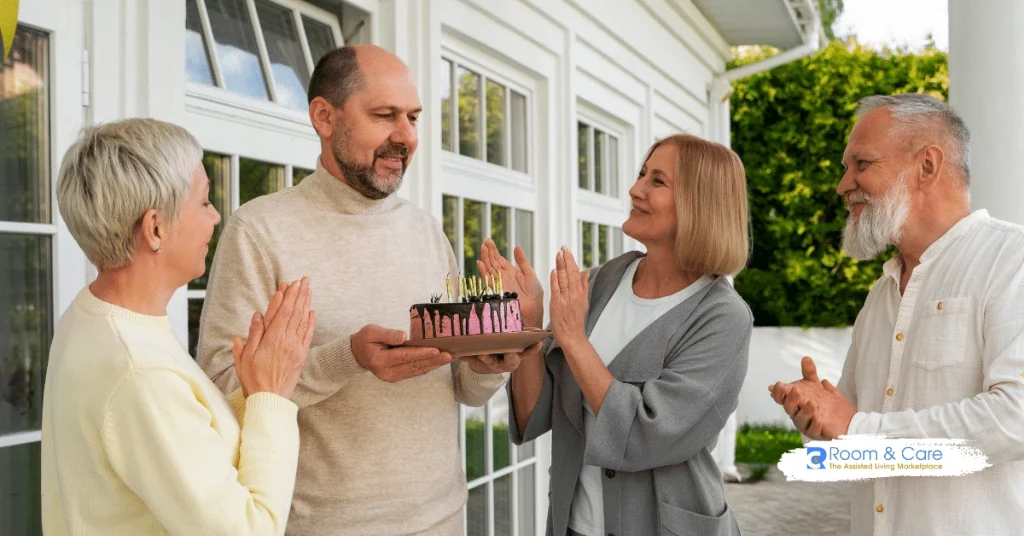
<point x="136" y="439"/>
<point x="648" y="355"/>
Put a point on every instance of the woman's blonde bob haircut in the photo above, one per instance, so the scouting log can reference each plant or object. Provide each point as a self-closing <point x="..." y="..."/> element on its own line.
<point x="712" y="233"/>
<point x="117" y="171"/>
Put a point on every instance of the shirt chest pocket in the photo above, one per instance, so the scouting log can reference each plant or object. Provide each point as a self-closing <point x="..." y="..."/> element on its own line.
<point x="941" y="334"/>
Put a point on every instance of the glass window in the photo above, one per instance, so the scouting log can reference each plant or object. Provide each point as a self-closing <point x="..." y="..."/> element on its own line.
<point x="517" y="115"/>
<point x="257" y="178"/>
<point x="495" y="123"/>
<point x="446" y="105"/>
<point x="524" y="233"/>
<point x="469" y="113"/>
<point x="236" y="47"/>
<point x="195" y="312"/>
<point x="218" y="170"/>
<point x="291" y="76"/>
<point x="617" y="241"/>
<point x="588" y="244"/>
<point x="20" y="479"/>
<point x="602" y="244"/>
<point x="527" y="485"/>
<point x="25" y="129"/>
<point x="473" y="231"/>
<point x="320" y="38"/>
<point x="503" y="505"/>
<point x="25" y="318"/>
<point x="476" y="511"/>
<point x="500" y="227"/>
<point x="450" y="211"/>
<point x="298" y="174"/>
<point x="500" y="444"/>
<point x="197" y="59"/>
<point x="613" y="166"/>
<point x="583" y="133"/>
<point x="598" y="161"/>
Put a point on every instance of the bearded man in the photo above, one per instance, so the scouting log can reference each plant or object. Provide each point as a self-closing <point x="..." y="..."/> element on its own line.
<point x="378" y="425"/>
<point x="938" y="348"/>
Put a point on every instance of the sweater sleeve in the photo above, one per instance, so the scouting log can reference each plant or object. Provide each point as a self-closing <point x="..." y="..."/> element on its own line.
<point x="161" y="443"/>
<point x="242" y="280"/>
<point x="667" y="420"/>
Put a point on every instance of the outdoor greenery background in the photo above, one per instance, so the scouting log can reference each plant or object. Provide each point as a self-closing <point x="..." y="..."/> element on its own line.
<point x="790" y="125"/>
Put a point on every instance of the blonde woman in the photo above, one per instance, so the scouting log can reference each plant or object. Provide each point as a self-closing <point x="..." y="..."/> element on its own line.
<point x="136" y="439"/>
<point x="648" y="355"/>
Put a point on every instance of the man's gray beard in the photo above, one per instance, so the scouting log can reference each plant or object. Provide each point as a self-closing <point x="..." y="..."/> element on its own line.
<point x="880" y="223"/>
<point x="365" y="179"/>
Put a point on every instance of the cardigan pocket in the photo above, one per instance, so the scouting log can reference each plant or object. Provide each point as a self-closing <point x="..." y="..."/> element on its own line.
<point x="678" y="522"/>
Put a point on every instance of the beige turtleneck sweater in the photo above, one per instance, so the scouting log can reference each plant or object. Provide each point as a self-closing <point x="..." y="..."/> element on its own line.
<point x="375" y="458"/>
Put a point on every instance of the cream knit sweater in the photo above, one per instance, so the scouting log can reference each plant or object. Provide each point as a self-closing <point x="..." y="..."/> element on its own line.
<point x="376" y="458"/>
<point x="138" y="441"/>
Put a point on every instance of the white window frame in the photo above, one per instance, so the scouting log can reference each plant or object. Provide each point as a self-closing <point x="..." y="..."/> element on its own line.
<point x="595" y="250"/>
<point x="69" y="267"/>
<point x="230" y="105"/>
<point x="512" y="80"/>
<point x="515" y="464"/>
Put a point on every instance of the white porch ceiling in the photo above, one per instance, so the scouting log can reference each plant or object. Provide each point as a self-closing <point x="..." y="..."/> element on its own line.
<point x="778" y="23"/>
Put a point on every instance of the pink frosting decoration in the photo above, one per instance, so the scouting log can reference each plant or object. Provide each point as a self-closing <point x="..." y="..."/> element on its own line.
<point x="442" y="320"/>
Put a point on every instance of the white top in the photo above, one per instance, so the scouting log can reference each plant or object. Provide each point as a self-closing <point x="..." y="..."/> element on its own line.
<point x="625" y="316"/>
<point x="951" y="349"/>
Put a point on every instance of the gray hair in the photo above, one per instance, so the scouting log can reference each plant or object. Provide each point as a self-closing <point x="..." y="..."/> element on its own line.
<point x="917" y="113"/>
<point x="336" y="76"/>
<point x="114" y="173"/>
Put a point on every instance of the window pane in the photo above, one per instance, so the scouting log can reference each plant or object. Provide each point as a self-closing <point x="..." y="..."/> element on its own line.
<point x="613" y="166"/>
<point x="524" y="232"/>
<point x="518" y="118"/>
<point x="469" y="113"/>
<point x="582" y="133"/>
<point x="526" y="451"/>
<point x="197" y="61"/>
<point x="476" y="512"/>
<point x="25" y="129"/>
<point x="257" y="178"/>
<point x="602" y="244"/>
<point x="25" y="318"/>
<point x="446" y="105"/>
<point x="475" y="447"/>
<point x="298" y="174"/>
<point x="499" y="430"/>
<point x="218" y="170"/>
<point x="195" y="312"/>
<point x="616" y="242"/>
<point x="598" y="168"/>
<point x="500" y="229"/>
<point x="495" y="123"/>
<point x="320" y="38"/>
<point x="527" y="496"/>
<point x="291" y="76"/>
<point x="588" y="244"/>
<point x="449" y="216"/>
<point x="236" y="47"/>
<point x="472" y="234"/>
<point x="20" y="511"/>
<point x="503" y="506"/>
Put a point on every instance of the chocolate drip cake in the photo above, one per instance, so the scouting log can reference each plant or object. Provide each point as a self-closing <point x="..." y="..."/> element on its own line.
<point x="474" y="316"/>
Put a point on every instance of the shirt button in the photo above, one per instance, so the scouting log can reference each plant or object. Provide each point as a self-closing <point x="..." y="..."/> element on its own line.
<point x="889" y="392"/>
<point x="899" y="337"/>
<point x="879" y="509"/>
<point x="939" y="306"/>
<point x="609" y="473"/>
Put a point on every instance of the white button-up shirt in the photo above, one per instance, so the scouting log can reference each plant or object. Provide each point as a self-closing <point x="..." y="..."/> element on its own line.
<point x="945" y="360"/>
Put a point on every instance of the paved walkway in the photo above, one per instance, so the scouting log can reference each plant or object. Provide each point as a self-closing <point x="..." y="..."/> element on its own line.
<point x="775" y="507"/>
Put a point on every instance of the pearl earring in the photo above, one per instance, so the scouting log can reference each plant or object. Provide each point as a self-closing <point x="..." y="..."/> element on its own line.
<point x="158" y="248"/>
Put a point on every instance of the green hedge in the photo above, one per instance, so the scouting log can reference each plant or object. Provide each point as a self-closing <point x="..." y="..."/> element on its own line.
<point x="764" y="444"/>
<point x="475" y="436"/>
<point x="789" y="125"/>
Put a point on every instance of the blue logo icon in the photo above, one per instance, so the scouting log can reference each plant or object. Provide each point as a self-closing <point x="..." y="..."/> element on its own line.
<point x="817" y="457"/>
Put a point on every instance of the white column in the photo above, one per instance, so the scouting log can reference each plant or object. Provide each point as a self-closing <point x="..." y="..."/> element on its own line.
<point x="986" y="86"/>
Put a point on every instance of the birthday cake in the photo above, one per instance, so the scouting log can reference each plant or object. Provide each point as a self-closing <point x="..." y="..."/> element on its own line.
<point x="479" y="311"/>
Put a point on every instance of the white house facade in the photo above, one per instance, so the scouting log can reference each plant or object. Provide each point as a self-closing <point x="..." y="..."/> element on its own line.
<point x="537" y="113"/>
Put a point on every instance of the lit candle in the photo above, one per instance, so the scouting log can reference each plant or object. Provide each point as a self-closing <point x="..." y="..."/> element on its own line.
<point x="448" y="286"/>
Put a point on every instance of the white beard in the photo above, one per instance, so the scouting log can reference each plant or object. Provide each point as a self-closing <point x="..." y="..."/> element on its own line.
<point x="880" y="223"/>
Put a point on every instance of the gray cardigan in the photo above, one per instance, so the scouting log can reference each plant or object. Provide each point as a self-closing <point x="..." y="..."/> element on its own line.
<point x="675" y="385"/>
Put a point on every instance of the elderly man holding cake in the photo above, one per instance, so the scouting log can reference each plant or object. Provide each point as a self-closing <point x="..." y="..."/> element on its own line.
<point x="378" y="421"/>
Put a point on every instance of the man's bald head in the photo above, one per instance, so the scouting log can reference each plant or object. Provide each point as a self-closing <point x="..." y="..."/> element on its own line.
<point x="342" y="71"/>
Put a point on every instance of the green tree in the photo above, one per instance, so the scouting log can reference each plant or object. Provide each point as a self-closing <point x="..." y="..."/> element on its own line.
<point x="790" y="125"/>
<point x="830" y="11"/>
